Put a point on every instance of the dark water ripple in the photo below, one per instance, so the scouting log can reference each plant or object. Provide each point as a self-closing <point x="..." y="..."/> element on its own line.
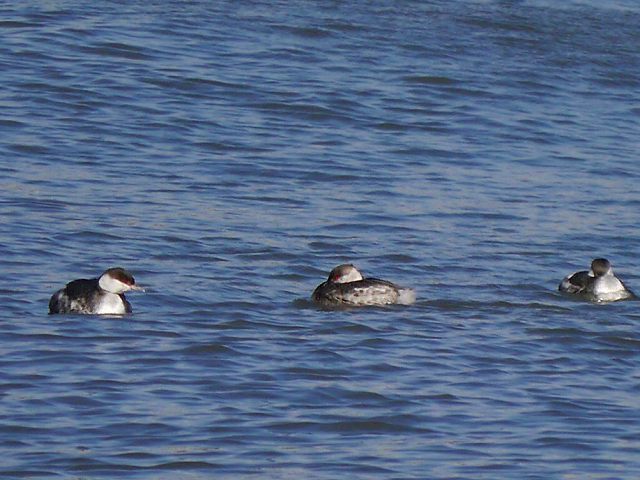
<point x="230" y="154"/>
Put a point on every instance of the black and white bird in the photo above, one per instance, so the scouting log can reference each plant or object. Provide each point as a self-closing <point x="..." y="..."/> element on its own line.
<point x="598" y="284"/>
<point x="100" y="296"/>
<point x="346" y="286"/>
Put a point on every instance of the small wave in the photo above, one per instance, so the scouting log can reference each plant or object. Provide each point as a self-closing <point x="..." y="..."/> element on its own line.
<point x="407" y="296"/>
<point x="429" y="80"/>
<point x="209" y="348"/>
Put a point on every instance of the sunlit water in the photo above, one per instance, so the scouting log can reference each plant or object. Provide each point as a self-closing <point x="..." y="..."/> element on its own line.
<point x="231" y="154"/>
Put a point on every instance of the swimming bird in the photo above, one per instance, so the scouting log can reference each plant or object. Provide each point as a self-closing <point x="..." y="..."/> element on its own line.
<point x="598" y="284"/>
<point x="346" y="286"/>
<point x="103" y="295"/>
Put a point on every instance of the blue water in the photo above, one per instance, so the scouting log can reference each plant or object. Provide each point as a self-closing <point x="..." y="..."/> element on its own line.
<point x="230" y="154"/>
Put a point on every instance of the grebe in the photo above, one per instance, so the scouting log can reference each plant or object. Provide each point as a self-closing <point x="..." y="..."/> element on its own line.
<point x="598" y="284"/>
<point x="103" y="295"/>
<point x="346" y="286"/>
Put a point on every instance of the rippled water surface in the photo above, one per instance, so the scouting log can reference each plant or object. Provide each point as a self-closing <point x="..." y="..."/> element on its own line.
<point x="231" y="154"/>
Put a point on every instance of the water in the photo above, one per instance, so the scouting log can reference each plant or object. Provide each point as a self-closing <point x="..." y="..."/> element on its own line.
<point x="231" y="154"/>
